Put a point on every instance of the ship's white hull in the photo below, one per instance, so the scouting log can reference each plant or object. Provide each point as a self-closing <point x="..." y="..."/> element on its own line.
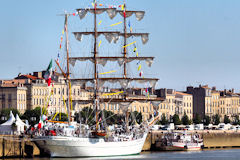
<point x="87" y="147"/>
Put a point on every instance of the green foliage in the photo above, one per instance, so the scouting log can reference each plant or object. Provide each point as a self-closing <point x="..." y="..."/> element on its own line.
<point x="33" y="116"/>
<point x="63" y="117"/>
<point x="87" y="116"/>
<point x="206" y="120"/>
<point x="110" y="117"/>
<point x="197" y="119"/>
<point x="164" y="120"/>
<point x="185" y="120"/>
<point x="136" y="115"/>
<point x="236" y="120"/>
<point x="226" y="119"/>
<point x="216" y="119"/>
<point x="6" y="112"/>
<point x="176" y="119"/>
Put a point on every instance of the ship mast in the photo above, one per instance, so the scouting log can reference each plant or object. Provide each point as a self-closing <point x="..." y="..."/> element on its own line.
<point x="124" y="59"/>
<point x="95" y="64"/>
<point x="125" y="56"/>
<point x="125" y="43"/>
<point x="68" y="71"/>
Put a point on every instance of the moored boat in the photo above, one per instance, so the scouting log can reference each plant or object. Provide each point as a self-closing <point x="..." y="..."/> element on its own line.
<point x="77" y="140"/>
<point x="180" y="141"/>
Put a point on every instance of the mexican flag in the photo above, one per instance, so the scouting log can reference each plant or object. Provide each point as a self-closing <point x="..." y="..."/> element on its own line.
<point x="48" y="73"/>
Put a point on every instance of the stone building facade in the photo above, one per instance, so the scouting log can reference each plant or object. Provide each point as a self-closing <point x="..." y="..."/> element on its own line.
<point x="13" y="96"/>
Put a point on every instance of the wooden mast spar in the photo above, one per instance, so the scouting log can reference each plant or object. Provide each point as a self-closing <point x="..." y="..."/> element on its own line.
<point x="68" y="71"/>
<point x="125" y="56"/>
<point x="95" y="64"/>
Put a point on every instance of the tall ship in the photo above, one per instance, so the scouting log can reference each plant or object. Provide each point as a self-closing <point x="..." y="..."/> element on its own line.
<point x="83" y="139"/>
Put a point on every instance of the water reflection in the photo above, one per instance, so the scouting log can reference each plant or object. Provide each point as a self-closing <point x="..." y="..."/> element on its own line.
<point x="231" y="154"/>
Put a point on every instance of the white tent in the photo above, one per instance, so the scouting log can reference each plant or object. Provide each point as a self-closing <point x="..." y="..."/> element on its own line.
<point x="6" y="128"/>
<point x="20" y="124"/>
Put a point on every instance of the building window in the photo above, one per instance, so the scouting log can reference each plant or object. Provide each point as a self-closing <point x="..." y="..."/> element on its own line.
<point x="9" y="98"/>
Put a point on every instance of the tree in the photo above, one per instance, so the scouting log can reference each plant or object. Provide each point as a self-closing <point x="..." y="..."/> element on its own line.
<point x="87" y="116"/>
<point x="216" y="119"/>
<point x="63" y="118"/>
<point x="163" y="120"/>
<point x="176" y="119"/>
<point x="136" y="115"/>
<point x="185" y="120"/>
<point x="226" y="119"/>
<point x="236" y="120"/>
<point x="33" y="116"/>
<point x="197" y="119"/>
<point x="206" y="120"/>
<point x="110" y="117"/>
<point x="6" y="112"/>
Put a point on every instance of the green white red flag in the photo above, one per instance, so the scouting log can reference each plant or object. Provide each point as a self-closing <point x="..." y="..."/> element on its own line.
<point x="48" y="73"/>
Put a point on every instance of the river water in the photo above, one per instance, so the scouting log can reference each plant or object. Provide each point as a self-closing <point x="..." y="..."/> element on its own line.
<point x="223" y="154"/>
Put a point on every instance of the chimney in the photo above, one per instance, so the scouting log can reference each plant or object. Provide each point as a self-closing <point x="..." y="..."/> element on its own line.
<point x="225" y="92"/>
<point x="232" y="90"/>
<point x="214" y="88"/>
<point x="190" y="89"/>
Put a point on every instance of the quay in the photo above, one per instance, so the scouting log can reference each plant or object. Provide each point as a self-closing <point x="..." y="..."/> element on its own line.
<point x="211" y="139"/>
<point x="13" y="146"/>
<point x="16" y="146"/>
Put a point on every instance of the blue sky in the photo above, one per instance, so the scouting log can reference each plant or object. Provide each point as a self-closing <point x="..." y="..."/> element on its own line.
<point x="194" y="41"/>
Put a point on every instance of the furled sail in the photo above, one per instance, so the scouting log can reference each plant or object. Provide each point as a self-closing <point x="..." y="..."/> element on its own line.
<point x="110" y="36"/>
<point x="103" y="60"/>
<point x="124" y="82"/>
<point x="124" y="106"/>
<point x="112" y="12"/>
<point x="156" y="104"/>
<point x="139" y="14"/>
<point x="144" y="36"/>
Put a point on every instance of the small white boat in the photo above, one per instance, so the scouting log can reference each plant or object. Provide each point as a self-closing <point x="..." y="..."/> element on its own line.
<point x="178" y="141"/>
